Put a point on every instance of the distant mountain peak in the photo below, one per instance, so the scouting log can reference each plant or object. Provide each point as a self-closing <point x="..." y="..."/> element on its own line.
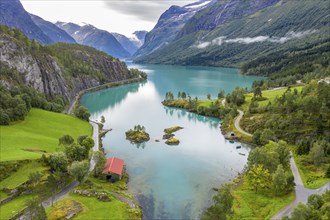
<point x="55" y="33"/>
<point x="89" y="35"/>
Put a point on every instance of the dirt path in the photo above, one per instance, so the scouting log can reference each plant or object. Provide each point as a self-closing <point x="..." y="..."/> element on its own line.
<point x="124" y="199"/>
<point x="237" y="126"/>
<point x="238" y="119"/>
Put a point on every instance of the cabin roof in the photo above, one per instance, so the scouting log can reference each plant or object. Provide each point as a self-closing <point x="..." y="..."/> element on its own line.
<point x="114" y="165"/>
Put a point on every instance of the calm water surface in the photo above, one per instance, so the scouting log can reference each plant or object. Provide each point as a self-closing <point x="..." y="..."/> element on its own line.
<point x="170" y="182"/>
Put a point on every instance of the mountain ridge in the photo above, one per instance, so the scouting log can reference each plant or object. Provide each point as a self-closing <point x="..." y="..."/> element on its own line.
<point x="56" y="70"/>
<point x="94" y="37"/>
<point x="51" y="30"/>
<point x="281" y="26"/>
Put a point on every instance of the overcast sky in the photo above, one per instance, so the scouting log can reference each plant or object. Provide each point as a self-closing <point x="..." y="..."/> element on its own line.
<point x="121" y="16"/>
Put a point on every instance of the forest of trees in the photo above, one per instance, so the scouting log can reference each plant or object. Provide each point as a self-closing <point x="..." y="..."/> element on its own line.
<point x="16" y="102"/>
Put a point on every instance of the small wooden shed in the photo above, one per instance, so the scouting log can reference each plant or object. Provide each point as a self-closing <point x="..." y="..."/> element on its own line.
<point x="113" y="168"/>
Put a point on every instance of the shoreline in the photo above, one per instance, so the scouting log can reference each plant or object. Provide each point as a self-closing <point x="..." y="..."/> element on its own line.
<point x="101" y="131"/>
<point x="76" y="99"/>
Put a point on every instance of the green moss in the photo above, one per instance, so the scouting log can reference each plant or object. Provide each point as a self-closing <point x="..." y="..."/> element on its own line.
<point x="64" y="208"/>
<point x="172" y="141"/>
<point x="137" y="136"/>
<point x="172" y="129"/>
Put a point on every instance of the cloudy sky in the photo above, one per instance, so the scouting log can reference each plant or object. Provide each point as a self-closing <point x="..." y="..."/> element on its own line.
<point x="121" y="16"/>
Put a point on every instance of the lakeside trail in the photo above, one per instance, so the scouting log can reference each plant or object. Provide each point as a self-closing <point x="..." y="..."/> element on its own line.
<point x="301" y="192"/>
<point x="75" y="183"/>
<point x="237" y="121"/>
<point x="103" y="86"/>
<point x="238" y="127"/>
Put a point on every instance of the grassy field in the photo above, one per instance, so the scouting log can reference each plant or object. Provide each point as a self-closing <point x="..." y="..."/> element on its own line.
<point x="94" y="209"/>
<point x="38" y="132"/>
<point x="269" y="94"/>
<point x="21" y="175"/>
<point x="251" y="205"/>
<point x="13" y="206"/>
<point x="312" y="176"/>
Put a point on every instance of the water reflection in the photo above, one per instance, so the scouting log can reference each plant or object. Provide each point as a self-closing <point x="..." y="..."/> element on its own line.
<point x="193" y="117"/>
<point x="116" y="95"/>
<point x="170" y="182"/>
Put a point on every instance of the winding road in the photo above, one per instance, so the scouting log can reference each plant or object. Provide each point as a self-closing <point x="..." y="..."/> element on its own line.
<point x="238" y="119"/>
<point x="302" y="193"/>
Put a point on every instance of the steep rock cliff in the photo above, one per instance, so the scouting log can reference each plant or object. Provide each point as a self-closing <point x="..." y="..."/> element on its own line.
<point x="56" y="70"/>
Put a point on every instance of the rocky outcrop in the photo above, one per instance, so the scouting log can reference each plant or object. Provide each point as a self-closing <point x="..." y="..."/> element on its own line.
<point x="48" y="74"/>
<point x="168" y="26"/>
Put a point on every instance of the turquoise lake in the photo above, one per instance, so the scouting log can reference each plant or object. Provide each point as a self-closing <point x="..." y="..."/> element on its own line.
<point x="170" y="182"/>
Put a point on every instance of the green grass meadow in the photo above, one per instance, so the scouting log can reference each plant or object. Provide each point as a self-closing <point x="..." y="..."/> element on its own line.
<point x="269" y="94"/>
<point x="312" y="176"/>
<point x="251" y="205"/>
<point x="21" y="175"/>
<point x="39" y="131"/>
<point x="9" y="209"/>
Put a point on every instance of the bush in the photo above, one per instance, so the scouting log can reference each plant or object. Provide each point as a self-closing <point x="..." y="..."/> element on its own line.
<point x="82" y="113"/>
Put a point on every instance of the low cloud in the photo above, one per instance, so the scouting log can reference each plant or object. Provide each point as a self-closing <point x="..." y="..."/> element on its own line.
<point x="249" y="40"/>
<point x="147" y="10"/>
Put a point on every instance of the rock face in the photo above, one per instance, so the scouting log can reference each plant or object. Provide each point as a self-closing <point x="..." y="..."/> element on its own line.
<point x="138" y="38"/>
<point x="126" y="43"/>
<point x="48" y="74"/>
<point x="221" y="13"/>
<point x="91" y="36"/>
<point x="14" y="15"/>
<point x="168" y="26"/>
<point x="132" y="43"/>
<point x="52" y="31"/>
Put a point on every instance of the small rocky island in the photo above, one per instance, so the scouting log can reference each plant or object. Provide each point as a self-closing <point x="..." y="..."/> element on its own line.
<point x="137" y="135"/>
<point x="169" y="136"/>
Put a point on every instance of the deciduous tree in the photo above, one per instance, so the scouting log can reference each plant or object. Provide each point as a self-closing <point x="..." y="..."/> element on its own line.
<point x="279" y="181"/>
<point x="79" y="169"/>
<point x="259" y="177"/>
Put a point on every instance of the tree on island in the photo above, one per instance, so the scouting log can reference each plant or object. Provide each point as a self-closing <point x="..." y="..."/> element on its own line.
<point x="179" y="95"/>
<point x="169" y="96"/>
<point x="102" y="119"/>
<point x="183" y="95"/>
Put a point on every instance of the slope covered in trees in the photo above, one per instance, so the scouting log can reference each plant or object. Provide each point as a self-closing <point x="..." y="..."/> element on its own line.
<point x="50" y="76"/>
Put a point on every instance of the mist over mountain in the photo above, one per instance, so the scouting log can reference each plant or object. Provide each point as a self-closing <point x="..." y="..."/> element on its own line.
<point x="233" y="32"/>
